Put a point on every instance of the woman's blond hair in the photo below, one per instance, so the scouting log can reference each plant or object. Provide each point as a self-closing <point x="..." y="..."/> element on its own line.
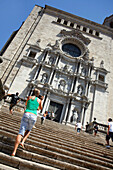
<point x="36" y="92"/>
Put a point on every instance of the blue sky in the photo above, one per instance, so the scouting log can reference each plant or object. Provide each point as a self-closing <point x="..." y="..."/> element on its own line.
<point x="14" y="12"/>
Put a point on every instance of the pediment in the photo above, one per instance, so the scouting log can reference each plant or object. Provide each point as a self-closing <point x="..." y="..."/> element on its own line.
<point x="77" y="34"/>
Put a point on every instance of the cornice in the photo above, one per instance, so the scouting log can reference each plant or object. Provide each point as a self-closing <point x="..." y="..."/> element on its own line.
<point x="69" y="16"/>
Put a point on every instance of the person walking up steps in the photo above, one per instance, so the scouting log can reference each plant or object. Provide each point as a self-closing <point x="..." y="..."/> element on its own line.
<point x="95" y="129"/>
<point x="79" y="127"/>
<point x="15" y="99"/>
<point x="44" y="117"/>
<point x="109" y="132"/>
<point x="28" y="120"/>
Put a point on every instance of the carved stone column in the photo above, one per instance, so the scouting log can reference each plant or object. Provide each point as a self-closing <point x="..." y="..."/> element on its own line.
<point x="74" y="78"/>
<point x="57" y="60"/>
<point x="53" y="71"/>
<point x="69" y="115"/>
<point x="85" y="106"/>
<point x="62" y="114"/>
<point x="66" y="110"/>
<point x="46" y="103"/>
<point x="40" y="66"/>
<point x="76" y="85"/>
<point x="51" y="76"/>
<point x="82" y="114"/>
<point x="86" y="89"/>
<point x="73" y="83"/>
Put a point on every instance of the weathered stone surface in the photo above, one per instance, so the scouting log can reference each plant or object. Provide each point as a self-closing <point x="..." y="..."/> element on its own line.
<point x="72" y="84"/>
<point x="52" y="145"/>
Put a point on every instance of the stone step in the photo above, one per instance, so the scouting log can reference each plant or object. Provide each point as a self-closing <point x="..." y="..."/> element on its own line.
<point x="54" y="145"/>
<point x="5" y="167"/>
<point x="19" y="163"/>
<point x="43" y="134"/>
<point x="51" y="158"/>
<point x="49" y="145"/>
<point x="63" y="129"/>
<point x="59" y="141"/>
<point x="71" y="135"/>
<point x="51" y="152"/>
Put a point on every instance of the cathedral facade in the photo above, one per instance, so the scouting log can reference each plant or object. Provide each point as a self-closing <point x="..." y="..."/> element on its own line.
<point x="69" y="58"/>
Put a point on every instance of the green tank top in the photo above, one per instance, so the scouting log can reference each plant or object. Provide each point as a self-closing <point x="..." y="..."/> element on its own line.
<point x="32" y="106"/>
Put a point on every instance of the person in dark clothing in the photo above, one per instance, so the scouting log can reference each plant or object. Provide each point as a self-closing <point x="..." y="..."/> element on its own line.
<point x="95" y="130"/>
<point x="44" y="117"/>
<point x="109" y="132"/>
<point x="15" y="99"/>
<point x="48" y="116"/>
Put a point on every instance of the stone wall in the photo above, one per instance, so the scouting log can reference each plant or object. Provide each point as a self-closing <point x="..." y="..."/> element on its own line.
<point x="58" y="75"/>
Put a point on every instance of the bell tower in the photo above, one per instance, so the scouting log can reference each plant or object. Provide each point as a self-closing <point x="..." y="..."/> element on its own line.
<point x="109" y="21"/>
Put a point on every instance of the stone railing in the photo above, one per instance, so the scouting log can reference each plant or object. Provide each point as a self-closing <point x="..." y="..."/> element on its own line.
<point x="102" y="128"/>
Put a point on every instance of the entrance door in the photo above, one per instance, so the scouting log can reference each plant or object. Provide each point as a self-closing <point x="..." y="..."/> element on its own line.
<point x="57" y="109"/>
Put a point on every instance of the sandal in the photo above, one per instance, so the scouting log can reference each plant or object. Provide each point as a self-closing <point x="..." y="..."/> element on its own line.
<point x="12" y="155"/>
<point x="22" y="146"/>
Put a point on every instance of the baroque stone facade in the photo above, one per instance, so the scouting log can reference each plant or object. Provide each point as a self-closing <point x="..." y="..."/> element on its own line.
<point x="68" y="58"/>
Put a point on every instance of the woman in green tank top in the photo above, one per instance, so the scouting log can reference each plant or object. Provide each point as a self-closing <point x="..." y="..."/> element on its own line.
<point x="32" y="105"/>
<point x="28" y="119"/>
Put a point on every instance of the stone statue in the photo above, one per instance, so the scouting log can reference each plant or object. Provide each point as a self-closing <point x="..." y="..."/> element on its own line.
<point x="102" y="64"/>
<point x="80" y="90"/>
<point x="51" y="60"/>
<point x="66" y="68"/>
<point x="83" y="71"/>
<point x="74" y="117"/>
<point x="44" y="78"/>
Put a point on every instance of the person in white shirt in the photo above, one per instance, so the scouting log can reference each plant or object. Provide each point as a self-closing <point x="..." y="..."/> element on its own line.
<point x="79" y="127"/>
<point x="109" y="132"/>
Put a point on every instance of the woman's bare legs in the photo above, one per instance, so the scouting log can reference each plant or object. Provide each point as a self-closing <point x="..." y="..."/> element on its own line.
<point x="27" y="132"/>
<point x="18" y="139"/>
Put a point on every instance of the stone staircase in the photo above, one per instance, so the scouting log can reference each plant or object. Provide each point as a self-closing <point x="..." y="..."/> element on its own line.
<point x="51" y="146"/>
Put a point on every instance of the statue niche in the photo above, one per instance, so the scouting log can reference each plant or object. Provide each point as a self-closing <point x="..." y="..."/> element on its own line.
<point x="66" y="68"/>
<point x="74" y="117"/>
<point x="62" y="85"/>
<point x="83" y="71"/>
<point x="80" y="90"/>
<point x="51" y="61"/>
<point x="44" y="78"/>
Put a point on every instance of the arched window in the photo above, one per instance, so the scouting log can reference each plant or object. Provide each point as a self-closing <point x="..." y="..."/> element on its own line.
<point x="71" y="49"/>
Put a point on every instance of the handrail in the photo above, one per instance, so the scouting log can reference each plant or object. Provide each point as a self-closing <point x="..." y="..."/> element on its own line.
<point x="102" y="128"/>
